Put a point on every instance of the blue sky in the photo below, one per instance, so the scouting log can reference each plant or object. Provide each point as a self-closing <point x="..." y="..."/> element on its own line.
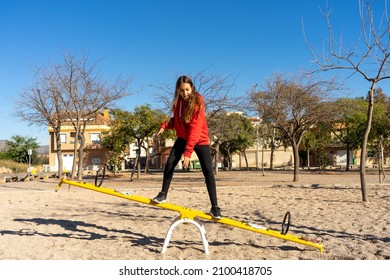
<point x="154" y="40"/>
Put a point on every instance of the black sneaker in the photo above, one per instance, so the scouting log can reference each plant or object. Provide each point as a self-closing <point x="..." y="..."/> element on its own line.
<point x="215" y="212"/>
<point x="160" y="198"/>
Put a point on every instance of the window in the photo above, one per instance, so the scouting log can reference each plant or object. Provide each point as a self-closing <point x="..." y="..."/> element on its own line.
<point x="63" y="138"/>
<point x="95" y="160"/>
<point x="95" y="138"/>
<point x="73" y="135"/>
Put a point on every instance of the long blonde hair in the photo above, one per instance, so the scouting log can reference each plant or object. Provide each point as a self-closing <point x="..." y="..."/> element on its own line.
<point x="193" y="100"/>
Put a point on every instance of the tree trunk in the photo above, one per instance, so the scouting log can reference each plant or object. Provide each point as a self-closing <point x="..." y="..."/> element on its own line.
<point x="59" y="153"/>
<point x="80" y="157"/>
<point x="216" y="158"/>
<point x="230" y="161"/>
<point x="271" y="160"/>
<point x="75" y="147"/>
<point x="134" y="167"/>
<point x="262" y="159"/>
<point x="139" y="158"/>
<point x="363" y="157"/>
<point x="296" y="160"/>
<point x="308" y="159"/>
<point x="381" y="170"/>
<point x="348" y="158"/>
<point x="147" y="162"/>
<point x="147" y="156"/>
<point x="246" y="161"/>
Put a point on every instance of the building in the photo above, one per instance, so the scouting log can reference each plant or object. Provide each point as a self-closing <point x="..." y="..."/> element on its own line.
<point x="94" y="153"/>
<point x="258" y="157"/>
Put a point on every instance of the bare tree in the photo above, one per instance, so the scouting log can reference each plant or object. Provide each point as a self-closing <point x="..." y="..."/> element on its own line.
<point x="41" y="105"/>
<point x="86" y="92"/>
<point x="270" y="138"/>
<point x="368" y="57"/>
<point x="292" y="106"/>
<point x="217" y="91"/>
<point x="70" y="92"/>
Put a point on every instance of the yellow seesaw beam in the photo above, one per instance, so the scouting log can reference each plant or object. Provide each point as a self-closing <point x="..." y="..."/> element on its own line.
<point x="193" y="213"/>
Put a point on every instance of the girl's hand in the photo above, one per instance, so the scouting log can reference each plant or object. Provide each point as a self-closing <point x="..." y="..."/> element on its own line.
<point x="186" y="162"/>
<point x="159" y="132"/>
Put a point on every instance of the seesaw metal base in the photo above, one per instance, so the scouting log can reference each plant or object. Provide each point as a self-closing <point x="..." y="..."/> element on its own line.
<point x="199" y="225"/>
<point x="188" y="215"/>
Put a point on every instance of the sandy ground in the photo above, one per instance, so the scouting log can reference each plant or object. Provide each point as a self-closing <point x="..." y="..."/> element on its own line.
<point x="38" y="223"/>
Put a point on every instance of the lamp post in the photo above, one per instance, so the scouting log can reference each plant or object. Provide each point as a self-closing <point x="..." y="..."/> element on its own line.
<point x="29" y="152"/>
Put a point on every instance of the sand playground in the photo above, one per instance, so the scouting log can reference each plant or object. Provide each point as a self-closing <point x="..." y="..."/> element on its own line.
<point x="38" y="223"/>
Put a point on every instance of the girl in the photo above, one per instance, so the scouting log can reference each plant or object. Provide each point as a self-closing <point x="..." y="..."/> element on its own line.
<point x="190" y="124"/>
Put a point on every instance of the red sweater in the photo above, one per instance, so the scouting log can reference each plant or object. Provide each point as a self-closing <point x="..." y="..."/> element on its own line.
<point x="195" y="132"/>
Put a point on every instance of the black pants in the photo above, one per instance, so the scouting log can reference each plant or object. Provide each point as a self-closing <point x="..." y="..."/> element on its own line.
<point x="204" y="155"/>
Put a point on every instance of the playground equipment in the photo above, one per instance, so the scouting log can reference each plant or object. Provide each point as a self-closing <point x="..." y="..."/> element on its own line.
<point x="193" y="216"/>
